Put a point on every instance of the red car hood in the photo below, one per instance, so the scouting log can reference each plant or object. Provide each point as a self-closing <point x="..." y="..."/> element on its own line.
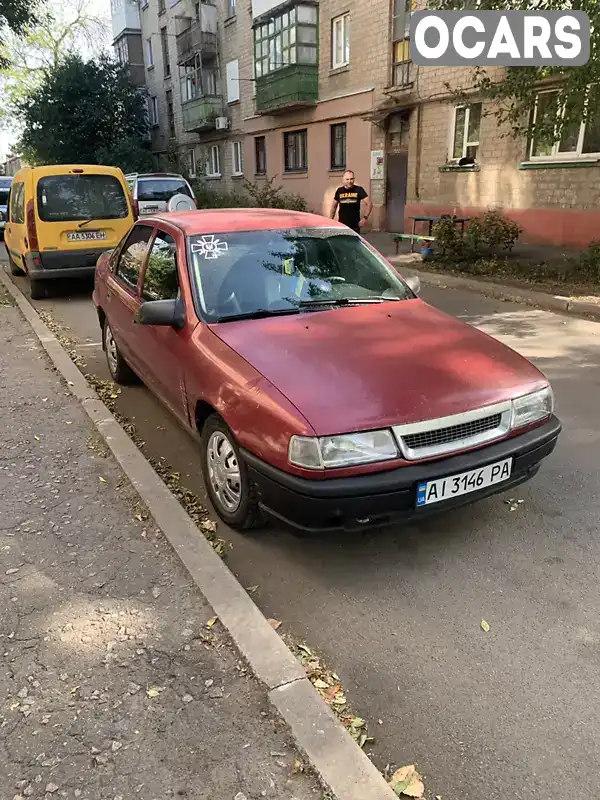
<point x="373" y="366"/>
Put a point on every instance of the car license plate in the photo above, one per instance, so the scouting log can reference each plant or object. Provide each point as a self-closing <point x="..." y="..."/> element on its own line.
<point x="85" y="236"/>
<point x="430" y="492"/>
<point x="149" y="210"/>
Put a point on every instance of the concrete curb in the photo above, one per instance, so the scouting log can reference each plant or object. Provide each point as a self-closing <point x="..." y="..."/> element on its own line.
<point x="549" y="302"/>
<point x="342" y="766"/>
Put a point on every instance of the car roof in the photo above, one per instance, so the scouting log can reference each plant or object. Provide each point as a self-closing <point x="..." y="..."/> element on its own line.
<point x="155" y="175"/>
<point x="224" y="220"/>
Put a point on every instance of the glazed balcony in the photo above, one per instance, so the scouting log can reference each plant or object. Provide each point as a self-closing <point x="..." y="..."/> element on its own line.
<point x="293" y="86"/>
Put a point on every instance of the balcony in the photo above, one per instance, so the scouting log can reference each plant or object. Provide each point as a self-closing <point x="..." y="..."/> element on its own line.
<point x="200" y="114"/>
<point x="294" y="86"/>
<point x="195" y="40"/>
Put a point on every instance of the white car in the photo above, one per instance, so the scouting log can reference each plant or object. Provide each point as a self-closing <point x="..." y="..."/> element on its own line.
<point x="152" y="191"/>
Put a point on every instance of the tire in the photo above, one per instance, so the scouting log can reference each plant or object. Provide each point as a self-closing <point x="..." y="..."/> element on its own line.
<point x="119" y="369"/>
<point x="234" y="500"/>
<point x="37" y="290"/>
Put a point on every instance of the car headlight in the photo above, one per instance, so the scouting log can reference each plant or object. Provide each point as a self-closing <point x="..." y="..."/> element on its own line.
<point x="532" y="407"/>
<point x="346" y="450"/>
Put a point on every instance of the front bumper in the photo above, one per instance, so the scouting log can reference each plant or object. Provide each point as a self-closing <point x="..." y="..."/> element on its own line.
<point x="383" y="498"/>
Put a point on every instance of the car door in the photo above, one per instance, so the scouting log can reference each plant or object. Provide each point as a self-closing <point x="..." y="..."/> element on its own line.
<point x="123" y="296"/>
<point x="163" y="349"/>
<point x="15" y="233"/>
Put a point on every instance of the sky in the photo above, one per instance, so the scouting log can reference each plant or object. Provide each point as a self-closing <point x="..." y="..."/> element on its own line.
<point x="99" y="8"/>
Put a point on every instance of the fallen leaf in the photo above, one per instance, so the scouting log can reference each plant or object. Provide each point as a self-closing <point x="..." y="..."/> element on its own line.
<point x="357" y="722"/>
<point x="485" y="626"/>
<point x="407" y="781"/>
<point x="274" y="623"/>
<point x="114" y="396"/>
<point x="320" y="684"/>
<point x="305" y="649"/>
<point x="154" y="691"/>
<point x="332" y="693"/>
<point x="251" y="589"/>
<point x="101" y="479"/>
<point x="298" y="767"/>
<point x="37" y="438"/>
<point x="211" y="622"/>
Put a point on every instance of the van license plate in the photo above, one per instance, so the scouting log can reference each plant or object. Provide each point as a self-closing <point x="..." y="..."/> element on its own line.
<point x="85" y="236"/>
<point x="454" y="485"/>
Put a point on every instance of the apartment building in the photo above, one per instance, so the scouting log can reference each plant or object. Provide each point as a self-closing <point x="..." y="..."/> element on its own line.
<point x="304" y="89"/>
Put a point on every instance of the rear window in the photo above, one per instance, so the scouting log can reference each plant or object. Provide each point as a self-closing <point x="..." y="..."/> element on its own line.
<point x="63" y="198"/>
<point x="161" y="189"/>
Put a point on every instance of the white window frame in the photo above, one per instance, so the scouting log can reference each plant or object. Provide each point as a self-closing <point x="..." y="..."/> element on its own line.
<point x="232" y="82"/>
<point x="192" y="162"/>
<point x="149" y="52"/>
<point x="237" y="158"/>
<point x="340" y="27"/>
<point x="213" y="161"/>
<point x="556" y="154"/>
<point x="153" y="110"/>
<point x="466" y="143"/>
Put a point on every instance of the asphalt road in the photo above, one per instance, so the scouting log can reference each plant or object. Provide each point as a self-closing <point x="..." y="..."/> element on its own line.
<point x="510" y="713"/>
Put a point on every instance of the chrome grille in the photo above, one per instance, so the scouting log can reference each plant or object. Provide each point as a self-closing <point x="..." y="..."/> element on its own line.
<point x="453" y="433"/>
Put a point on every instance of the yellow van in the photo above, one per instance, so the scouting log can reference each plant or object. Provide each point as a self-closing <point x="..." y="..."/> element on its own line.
<point x="62" y="218"/>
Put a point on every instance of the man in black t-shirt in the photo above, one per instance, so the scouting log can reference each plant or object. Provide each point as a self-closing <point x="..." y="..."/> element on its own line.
<point x="348" y="199"/>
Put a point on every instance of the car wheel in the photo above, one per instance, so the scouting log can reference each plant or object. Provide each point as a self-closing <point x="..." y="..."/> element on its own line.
<point x="119" y="369"/>
<point x="226" y="477"/>
<point x="38" y="290"/>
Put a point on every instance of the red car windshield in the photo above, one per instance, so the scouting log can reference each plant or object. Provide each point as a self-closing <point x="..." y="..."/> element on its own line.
<point x="247" y="272"/>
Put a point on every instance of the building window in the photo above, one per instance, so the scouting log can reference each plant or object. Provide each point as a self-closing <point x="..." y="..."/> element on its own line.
<point x="577" y="140"/>
<point x="295" y="147"/>
<point x="164" y="44"/>
<point x="465" y="131"/>
<point x="153" y="111"/>
<point x="260" y="153"/>
<point x="338" y="146"/>
<point x="340" y="41"/>
<point x="162" y="6"/>
<point x="197" y="80"/>
<point x="288" y="38"/>
<point x="170" y="114"/>
<point x="402" y="65"/>
<point x="231" y="8"/>
<point x="191" y="163"/>
<point x="213" y="162"/>
<point x="233" y="81"/>
<point x="237" y="158"/>
<point x="122" y="51"/>
<point x="149" y="54"/>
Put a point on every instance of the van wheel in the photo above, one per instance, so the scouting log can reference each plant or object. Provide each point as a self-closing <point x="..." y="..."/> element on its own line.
<point x="14" y="269"/>
<point x="119" y="369"/>
<point x="37" y="290"/>
<point x="226" y="477"/>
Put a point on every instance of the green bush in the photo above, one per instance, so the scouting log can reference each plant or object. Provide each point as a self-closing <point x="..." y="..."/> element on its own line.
<point x="257" y="194"/>
<point x="487" y="235"/>
<point x="586" y="266"/>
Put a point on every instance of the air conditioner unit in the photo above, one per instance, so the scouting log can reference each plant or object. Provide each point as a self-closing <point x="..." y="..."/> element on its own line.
<point x="222" y="123"/>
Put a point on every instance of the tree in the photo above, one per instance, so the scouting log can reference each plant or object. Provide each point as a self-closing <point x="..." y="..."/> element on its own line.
<point x="59" y="29"/>
<point x="86" y="112"/>
<point x="15" y="15"/>
<point x="513" y="90"/>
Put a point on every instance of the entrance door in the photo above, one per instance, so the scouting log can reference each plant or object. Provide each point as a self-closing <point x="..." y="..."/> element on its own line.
<point x="397" y="176"/>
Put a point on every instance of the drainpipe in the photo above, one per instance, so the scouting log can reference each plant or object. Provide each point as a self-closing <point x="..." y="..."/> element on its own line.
<point x="419" y="147"/>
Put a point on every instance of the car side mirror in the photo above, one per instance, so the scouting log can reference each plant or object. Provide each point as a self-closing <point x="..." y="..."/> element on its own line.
<point x="167" y="313"/>
<point x="414" y="284"/>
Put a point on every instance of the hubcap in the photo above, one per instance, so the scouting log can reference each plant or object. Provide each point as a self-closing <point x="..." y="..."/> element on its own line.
<point x="224" y="472"/>
<point x="112" y="354"/>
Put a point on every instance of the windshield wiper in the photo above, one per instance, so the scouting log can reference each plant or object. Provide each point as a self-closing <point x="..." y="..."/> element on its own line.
<point x="260" y="313"/>
<point x="346" y="301"/>
<point x="85" y="222"/>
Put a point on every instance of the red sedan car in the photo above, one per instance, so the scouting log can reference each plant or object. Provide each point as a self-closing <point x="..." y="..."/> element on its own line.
<point x="323" y="391"/>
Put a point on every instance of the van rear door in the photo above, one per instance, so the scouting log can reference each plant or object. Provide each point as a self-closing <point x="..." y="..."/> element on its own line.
<point x="80" y="214"/>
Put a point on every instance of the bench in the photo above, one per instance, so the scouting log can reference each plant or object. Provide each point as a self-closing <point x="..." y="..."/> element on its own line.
<point x="398" y="237"/>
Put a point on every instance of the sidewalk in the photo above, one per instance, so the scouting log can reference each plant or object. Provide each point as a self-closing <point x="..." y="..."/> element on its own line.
<point x="114" y="684"/>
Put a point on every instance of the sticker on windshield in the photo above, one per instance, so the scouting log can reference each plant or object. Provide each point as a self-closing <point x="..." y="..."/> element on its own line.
<point x="209" y="246"/>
